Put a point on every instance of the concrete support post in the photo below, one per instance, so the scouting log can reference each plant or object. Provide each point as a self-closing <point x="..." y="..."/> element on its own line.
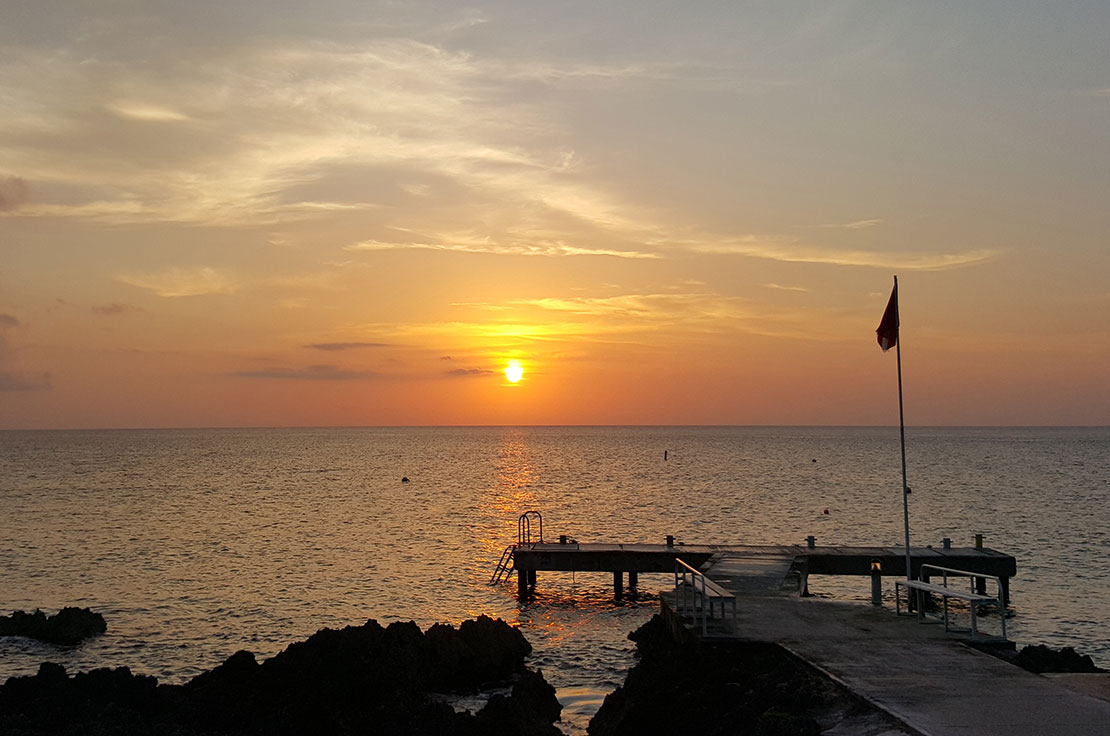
<point x="633" y="579"/>
<point x="876" y="583"/>
<point x="618" y="584"/>
<point x="522" y="577"/>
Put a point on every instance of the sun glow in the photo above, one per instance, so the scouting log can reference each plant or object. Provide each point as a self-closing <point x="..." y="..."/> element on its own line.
<point x="514" y="371"/>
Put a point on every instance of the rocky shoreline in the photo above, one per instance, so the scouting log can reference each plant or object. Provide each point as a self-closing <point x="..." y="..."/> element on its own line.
<point x="372" y="679"/>
<point x="367" y="679"/>
<point x="727" y="688"/>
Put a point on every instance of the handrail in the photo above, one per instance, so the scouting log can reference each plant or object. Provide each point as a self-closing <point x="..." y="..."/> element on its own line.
<point x="524" y="527"/>
<point x="946" y="571"/>
<point x="682" y="569"/>
<point x="974" y="577"/>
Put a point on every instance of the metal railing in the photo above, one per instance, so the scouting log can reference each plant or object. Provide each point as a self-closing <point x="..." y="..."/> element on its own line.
<point x="524" y="527"/>
<point x="503" y="569"/>
<point x="976" y="595"/>
<point x="694" y="594"/>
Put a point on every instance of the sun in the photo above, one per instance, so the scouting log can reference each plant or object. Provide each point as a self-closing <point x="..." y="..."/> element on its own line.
<point x="514" y="371"/>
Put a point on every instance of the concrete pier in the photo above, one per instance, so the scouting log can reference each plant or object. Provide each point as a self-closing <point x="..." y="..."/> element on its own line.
<point x="633" y="559"/>
<point x="927" y="678"/>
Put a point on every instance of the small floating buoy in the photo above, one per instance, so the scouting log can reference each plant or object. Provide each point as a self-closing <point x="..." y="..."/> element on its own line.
<point x="814" y="459"/>
<point x="405" y="479"/>
<point x="826" y="512"/>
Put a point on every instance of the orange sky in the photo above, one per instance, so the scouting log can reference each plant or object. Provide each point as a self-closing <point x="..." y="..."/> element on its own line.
<point x="339" y="215"/>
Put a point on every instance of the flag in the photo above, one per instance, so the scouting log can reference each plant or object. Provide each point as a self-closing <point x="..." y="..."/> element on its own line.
<point x="888" y="327"/>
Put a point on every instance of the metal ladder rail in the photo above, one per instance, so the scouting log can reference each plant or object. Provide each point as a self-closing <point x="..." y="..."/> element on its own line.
<point x="524" y="527"/>
<point x="503" y="570"/>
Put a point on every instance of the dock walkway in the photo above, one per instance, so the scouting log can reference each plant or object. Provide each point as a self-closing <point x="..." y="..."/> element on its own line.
<point x="927" y="679"/>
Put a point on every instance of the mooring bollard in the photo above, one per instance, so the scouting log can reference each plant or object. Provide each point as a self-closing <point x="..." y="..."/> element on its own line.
<point x="811" y="541"/>
<point x="947" y="543"/>
<point x="876" y="583"/>
<point x="670" y="540"/>
<point x="562" y="539"/>
<point x="978" y="541"/>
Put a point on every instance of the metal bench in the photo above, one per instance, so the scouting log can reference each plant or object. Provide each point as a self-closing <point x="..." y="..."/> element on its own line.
<point x="696" y="593"/>
<point x="973" y="598"/>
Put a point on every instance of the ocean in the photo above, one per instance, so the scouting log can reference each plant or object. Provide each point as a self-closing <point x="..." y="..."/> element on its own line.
<point x="195" y="544"/>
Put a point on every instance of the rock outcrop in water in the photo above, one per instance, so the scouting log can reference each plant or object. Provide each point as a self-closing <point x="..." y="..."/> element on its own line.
<point x="68" y="626"/>
<point x="729" y="688"/>
<point x="1039" y="658"/>
<point x="358" y="680"/>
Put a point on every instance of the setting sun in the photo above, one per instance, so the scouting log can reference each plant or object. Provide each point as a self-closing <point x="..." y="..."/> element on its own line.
<point x="514" y="371"/>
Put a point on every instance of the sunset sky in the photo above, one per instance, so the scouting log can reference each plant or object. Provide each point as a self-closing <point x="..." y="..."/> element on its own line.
<point x="357" y="213"/>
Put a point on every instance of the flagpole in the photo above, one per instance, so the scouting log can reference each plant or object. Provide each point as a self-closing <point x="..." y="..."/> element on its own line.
<point x="902" y="435"/>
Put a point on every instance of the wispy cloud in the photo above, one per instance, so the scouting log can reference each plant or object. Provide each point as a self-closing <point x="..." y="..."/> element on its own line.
<point x="469" y="372"/>
<point x="110" y="310"/>
<point x="17" y="381"/>
<point x="14" y="193"/>
<point x="147" y="112"/>
<point x="471" y="244"/>
<point x="310" y="373"/>
<point x="340" y="346"/>
<point x="13" y="379"/>
<point x="180" y="282"/>
<point x="857" y="225"/>
<point x="787" y="251"/>
<point x="781" y="287"/>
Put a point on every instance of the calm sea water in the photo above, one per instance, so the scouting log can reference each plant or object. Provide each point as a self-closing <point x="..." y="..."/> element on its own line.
<point x="197" y="543"/>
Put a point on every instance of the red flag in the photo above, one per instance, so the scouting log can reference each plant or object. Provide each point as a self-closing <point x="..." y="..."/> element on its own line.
<point x="888" y="327"/>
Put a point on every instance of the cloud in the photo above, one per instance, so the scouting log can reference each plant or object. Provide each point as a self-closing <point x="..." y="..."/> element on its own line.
<point x="336" y="346"/>
<point x="464" y="372"/>
<point x="311" y="373"/>
<point x="146" y="112"/>
<point x="787" y="251"/>
<point x="6" y="320"/>
<point x="109" y="310"/>
<point x="857" y="225"/>
<point x="16" y="381"/>
<point x="780" y="287"/>
<point x="522" y="247"/>
<point x="14" y="193"/>
<point x="178" y="282"/>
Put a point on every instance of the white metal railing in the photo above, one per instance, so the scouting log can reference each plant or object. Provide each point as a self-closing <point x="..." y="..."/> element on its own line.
<point x="694" y="594"/>
<point x="972" y="596"/>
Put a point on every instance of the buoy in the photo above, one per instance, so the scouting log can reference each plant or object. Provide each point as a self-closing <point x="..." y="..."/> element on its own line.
<point x="405" y="479"/>
<point x="826" y="511"/>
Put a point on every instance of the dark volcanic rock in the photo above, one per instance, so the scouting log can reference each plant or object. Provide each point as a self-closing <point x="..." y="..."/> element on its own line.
<point x="1039" y="658"/>
<point x="357" y="680"/>
<point x="68" y="626"/>
<point x="726" y="688"/>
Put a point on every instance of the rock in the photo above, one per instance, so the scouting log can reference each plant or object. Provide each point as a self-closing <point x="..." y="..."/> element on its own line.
<point x="530" y="710"/>
<point x="724" y="688"/>
<point x="356" y="680"/>
<point x="67" y="627"/>
<point x="774" y="723"/>
<point x="1039" y="658"/>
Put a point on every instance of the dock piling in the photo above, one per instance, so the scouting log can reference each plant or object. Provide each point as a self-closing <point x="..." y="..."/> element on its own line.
<point x="876" y="583"/>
